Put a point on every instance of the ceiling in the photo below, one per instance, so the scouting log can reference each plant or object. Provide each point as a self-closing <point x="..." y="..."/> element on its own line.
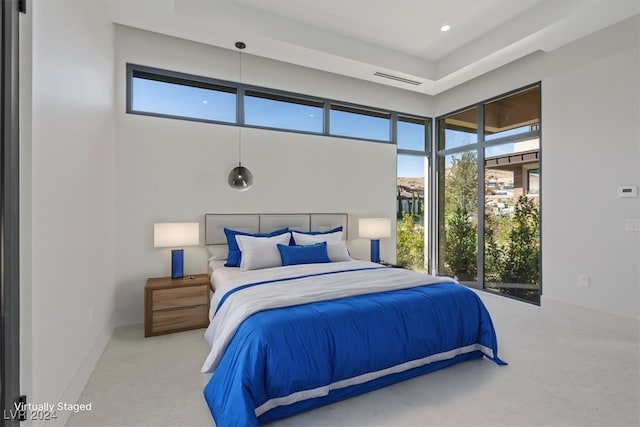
<point x="401" y="38"/>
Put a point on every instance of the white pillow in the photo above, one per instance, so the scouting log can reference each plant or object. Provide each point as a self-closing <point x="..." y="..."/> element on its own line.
<point x="336" y="247"/>
<point x="338" y="252"/>
<point x="310" y="239"/>
<point x="218" y="252"/>
<point x="261" y="252"/>
<point x="216" y="263"/>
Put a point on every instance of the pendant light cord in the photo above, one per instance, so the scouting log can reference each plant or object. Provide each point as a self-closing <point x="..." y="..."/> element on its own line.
<point x="240" y="46"/>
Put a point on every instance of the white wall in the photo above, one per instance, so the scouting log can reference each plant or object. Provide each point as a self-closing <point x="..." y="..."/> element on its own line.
<point x="72" y="188"/>
<point x="89" y="197"/>
<point x="590" y="146"/>
<point x="175" y="170"/>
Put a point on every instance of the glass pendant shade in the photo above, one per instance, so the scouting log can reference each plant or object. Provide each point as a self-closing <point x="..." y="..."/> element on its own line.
<point x="240" y="178"/>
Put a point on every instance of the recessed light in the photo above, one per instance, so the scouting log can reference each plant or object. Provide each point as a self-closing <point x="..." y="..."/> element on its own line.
<point x="445" y="27"/>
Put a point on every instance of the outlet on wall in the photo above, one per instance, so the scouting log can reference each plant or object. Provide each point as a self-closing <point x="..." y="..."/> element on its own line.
<point x="584" y="280"/>
<point x="633" y="225"/>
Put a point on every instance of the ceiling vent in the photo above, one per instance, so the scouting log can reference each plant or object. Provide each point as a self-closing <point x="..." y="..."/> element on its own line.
<point x="399" y="79"/>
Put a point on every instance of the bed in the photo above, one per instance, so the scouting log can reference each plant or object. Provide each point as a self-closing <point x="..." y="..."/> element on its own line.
<point x="287" y="339"/>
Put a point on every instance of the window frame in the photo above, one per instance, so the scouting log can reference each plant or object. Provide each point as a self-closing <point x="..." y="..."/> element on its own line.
<point x="407" y="118"/>
<point x="165" y="76"/>
<point x="268" y="93"/>
<point x="479" y="147"/>
<point x="368" y="112"/>
<point x="535" y="168"/>
<point x="272" y="95"/>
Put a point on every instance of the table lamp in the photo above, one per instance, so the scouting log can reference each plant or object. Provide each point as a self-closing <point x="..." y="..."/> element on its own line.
<point x="374" y="229"/>
<point x="176" y="235"/>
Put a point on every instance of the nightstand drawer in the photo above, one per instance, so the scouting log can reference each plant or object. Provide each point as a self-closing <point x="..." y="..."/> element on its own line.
<point x="180" y="319"/>
<point x="173" y="305"/>
<point x="187" y="296"/>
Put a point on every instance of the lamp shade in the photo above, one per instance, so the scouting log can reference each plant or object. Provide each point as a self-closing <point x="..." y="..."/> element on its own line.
<point x="240" y="178"/>
<point x="176" y="234"/>
<point x="374" y="228"/>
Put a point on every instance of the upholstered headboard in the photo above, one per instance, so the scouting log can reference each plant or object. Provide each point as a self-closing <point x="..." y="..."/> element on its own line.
<point x="265" y="223"/>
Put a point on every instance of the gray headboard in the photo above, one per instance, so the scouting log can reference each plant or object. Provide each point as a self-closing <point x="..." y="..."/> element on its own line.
<point x="265" y="223"/>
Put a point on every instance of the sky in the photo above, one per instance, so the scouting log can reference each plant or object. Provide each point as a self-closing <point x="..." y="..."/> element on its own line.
<point x="208" y="104"/>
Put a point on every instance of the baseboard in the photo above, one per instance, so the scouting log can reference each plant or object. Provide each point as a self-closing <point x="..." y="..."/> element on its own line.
<point x="128" y="317"/>
<point x="591" y="316"/>
<point x="74" y="389"/>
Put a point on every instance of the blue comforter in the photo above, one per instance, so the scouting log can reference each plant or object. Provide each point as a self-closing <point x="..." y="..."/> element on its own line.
<point x="287" y="360"/>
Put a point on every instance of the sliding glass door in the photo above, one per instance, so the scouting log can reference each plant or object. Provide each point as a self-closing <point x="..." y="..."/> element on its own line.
<point x="488" y="219"/>
<point x="458" y="196"/>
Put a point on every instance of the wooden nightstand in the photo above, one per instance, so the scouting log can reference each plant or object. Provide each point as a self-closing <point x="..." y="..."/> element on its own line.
<point x="175" y="305"/>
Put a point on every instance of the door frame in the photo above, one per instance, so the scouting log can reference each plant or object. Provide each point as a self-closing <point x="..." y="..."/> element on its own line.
<point x="9" y="214"/>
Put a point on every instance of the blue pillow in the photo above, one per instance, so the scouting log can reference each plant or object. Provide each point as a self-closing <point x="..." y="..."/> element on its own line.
<point x="292" y="242"/>
<point x="309" y="254"/>
<point x="235" y="256"/>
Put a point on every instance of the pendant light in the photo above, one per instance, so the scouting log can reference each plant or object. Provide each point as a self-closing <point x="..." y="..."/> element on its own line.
<point x="240" y="178"/>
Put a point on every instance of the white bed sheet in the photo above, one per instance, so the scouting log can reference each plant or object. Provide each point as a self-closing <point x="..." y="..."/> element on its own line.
<point x="223" y="279"/>
<point x="306" y="283"/>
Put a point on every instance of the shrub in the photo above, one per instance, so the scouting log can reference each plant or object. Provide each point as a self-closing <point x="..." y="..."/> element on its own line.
<point x="410" y="243"/>
<point x="493" y="253"/>
<point x="522" y="253"/>
<point x="460" y="244"/>
<point x="460" y="253"/>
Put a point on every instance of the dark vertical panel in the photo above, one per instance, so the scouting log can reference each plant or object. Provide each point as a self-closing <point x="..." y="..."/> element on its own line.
<point x="393" y="128"/>
<point x="481" y="195"/>
<point x="9" y="220"/>
<point x="540" y="179"/>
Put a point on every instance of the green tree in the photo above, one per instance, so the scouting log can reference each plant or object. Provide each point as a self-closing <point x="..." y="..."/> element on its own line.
<point x="522" y="253"/>
<point x="460" y="253"/>
<point x="410" y="243"/>
<point x="460" y="245"/>
<point x="493" y="253"/>
<point x="462" y="184"/>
